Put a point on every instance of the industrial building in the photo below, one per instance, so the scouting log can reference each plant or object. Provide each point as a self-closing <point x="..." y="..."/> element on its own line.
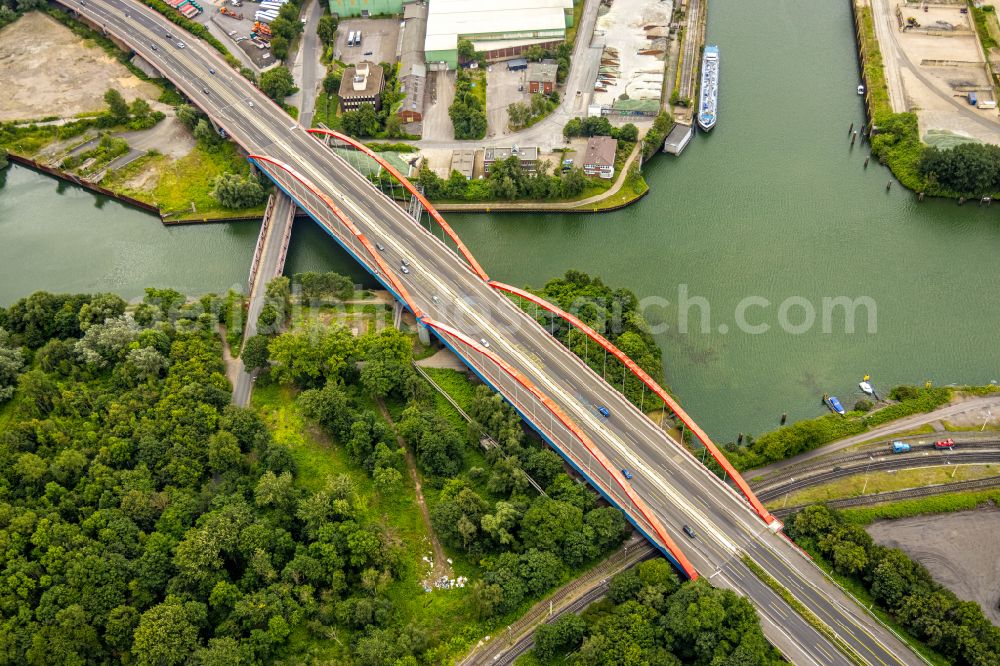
<point x="412" y="70"/>
<point x="361" y="84"/>
<point x="541" y="77"/>
<point x="528" y="157"/>
<point x="501" y="30"/>
<point x="366" y="8"/>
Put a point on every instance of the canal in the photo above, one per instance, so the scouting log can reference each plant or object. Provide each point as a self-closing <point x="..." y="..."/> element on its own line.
<point x="769" y="218"/>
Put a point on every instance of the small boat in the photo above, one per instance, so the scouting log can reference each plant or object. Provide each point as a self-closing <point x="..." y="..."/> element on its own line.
<point x="861" y="90"/>
<point x="866" y="387"/>
<point x="834" y="404"/>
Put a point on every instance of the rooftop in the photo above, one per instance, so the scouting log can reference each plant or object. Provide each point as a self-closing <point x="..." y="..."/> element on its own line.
<point x="600" y="151"/>
<point x="362" y="80"/>
<point x="448" y="19"/>
<point x="529" y="153"/>
<point x="545" y="73"/>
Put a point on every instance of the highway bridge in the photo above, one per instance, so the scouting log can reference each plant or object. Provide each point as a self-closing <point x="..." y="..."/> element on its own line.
<point x="553" y="389"/>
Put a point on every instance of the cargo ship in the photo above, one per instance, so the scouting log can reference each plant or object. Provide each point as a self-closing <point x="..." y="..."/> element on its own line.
<point x="709" y="96"/>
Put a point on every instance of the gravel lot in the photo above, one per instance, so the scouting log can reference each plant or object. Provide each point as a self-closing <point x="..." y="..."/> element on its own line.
<point x="440" y="94"/>
<point x="959" y="549"/>
<point x="41" y="66"/>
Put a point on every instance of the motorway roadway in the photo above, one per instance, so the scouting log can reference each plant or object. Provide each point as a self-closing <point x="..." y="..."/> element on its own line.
<point x="679" y="490"/>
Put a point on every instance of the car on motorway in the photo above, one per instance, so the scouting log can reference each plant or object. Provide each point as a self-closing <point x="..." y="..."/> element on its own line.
<point x="205" y="90"/>
<point x="250" y="102"/>
<point x="604" y="411"/>
<point x="153" y="46"/>
<point x="944" y="444"/>
<point x="168" y="36"/>
<point x="406" y="271"/>
<point x="211" y="71"/>
<point x="380" y="247"/>
<point x="627" y="474"/>
<point x="690" y="532"/>
<point x="181" y="44"/>
<point x="436" y="298"/>
<point x="484" y="342"/>
<point x="406" y="262"/>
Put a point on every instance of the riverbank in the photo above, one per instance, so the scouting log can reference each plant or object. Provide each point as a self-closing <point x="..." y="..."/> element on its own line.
<point x="902" y="77"/>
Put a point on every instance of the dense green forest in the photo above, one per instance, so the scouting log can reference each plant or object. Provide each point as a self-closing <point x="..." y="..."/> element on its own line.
<point x="956" y="629"/>
<point x="145" y="520"/>
<point x="650" y="617"/>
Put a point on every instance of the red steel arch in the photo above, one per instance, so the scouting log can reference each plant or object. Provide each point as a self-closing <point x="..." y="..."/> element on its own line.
<point x="661" y="533"/>
<point x="404" y="181"/>
<point x="335" y="209"/>
<point x="653" y="386"/>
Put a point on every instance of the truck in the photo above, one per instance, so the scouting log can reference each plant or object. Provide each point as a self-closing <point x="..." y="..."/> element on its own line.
<point x="987" y="104"/>
<point x="900" y="447"/>
<point x="972" y="97"/>
<point x="944" y="444"/>
<point x="350" y="38"/>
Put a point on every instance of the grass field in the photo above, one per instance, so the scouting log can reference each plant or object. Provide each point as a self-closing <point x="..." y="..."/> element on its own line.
<point x="882" y="482"/>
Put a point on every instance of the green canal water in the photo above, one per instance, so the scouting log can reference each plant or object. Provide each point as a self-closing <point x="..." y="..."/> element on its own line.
<point x="772" y="206"/>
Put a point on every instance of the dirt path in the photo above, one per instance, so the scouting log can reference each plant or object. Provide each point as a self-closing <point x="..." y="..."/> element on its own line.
<point x="441" y="567"/>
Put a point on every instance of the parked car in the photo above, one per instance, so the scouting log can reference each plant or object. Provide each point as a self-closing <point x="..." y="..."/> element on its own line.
<point x="627" y="474"/>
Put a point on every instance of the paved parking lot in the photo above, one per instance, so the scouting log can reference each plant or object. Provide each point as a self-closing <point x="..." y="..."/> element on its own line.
<point x="501" y="92"/>
<point x="379" y="38"/>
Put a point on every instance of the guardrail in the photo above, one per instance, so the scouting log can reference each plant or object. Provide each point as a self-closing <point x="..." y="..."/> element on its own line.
<point x="259" y="249"/>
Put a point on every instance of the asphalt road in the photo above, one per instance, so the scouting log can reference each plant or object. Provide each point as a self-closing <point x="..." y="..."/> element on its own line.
<point x="982" y="404"/>
<point x="673" y="483"/>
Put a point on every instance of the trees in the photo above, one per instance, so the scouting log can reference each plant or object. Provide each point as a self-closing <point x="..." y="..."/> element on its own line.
<point x="326" y="29"/>
<point x="331" y="82"/>
<point x="235" y="191"/>
<point x="279" y="46"/>
<point x="117" y="106"/>
<point x="968" y="168"/>
<point x="277" y="83"/>
<point x="168" y="633"/>
<point x="466" y="51"/>
<point x="361" y="122"/>
<point x="4" y="159"/>
<point x="255" y="354"/>
<point x="204" y="133"/>
<point x="467" y="113"/>
<point x="11" y="362"/>
<point x="563" y="635"/>
<point x="627" y="132"/>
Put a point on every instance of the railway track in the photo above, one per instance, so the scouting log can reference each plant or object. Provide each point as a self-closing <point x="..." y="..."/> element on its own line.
<point x="881" y="450"/>
<point x="876" y="465"/>
<point x="899" y="495"/>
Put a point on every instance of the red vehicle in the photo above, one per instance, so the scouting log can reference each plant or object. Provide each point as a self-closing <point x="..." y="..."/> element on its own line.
<point x="944" y="444"/>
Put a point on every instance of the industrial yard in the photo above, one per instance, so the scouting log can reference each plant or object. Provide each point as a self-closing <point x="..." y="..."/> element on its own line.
<point x="634" y="37"/>
<point x="935" y="66"/>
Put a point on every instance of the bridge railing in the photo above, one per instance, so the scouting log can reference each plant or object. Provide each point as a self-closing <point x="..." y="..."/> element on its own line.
<point x="548" y="419"/>
<point x="648" y="382"/>
<point x="390" y="180"/>
<point x="335" y="222"/>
